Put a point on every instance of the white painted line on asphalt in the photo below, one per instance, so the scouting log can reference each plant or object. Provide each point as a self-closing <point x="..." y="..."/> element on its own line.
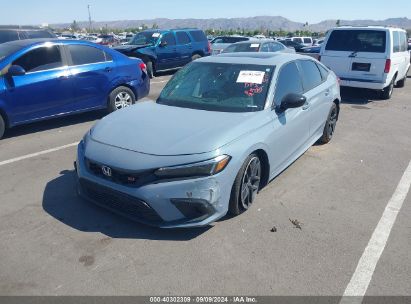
<point x="162" y="81"/>
<point x="13" y="160"/>
<point x="366" y="266"/>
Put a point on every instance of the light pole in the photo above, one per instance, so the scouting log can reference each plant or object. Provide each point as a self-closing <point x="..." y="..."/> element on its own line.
<point x="89" y="18"/>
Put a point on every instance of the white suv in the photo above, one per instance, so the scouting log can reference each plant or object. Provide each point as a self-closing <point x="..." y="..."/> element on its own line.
<point x="369" y="57"/>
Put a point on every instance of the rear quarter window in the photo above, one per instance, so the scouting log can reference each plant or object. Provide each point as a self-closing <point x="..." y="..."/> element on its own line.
<point x="372" y="41"/>
<point x="198" y="36"/>
<point x="84" y="54"/>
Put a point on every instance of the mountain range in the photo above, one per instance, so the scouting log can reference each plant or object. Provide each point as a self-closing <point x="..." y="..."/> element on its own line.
<point x="250" y="23"/>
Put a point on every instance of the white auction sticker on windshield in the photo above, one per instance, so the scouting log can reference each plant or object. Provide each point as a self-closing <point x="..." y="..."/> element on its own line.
<point x="254" y="45"/>
<point x="156" y="35"/>
<point x="251" y="77"/>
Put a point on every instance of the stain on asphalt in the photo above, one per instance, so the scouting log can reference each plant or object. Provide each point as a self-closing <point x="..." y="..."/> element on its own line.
<point x="87" y="260"/>
<point x="361" y="107"/>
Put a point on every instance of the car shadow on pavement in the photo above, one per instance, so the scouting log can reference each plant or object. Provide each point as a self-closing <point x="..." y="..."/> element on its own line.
<point x="358" y="96"/>
<point x="54" y="123"/>
<point x="61" y="201"/>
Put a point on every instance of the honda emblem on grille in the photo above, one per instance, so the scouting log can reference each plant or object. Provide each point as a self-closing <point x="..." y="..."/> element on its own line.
<point x="106" y="171"/>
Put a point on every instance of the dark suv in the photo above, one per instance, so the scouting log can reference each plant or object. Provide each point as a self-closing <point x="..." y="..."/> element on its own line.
<point x="15" y="33"/>
<point x="163" y="50"/>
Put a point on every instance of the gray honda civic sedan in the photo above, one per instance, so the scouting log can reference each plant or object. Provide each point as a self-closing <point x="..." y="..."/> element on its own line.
<point x="222" y="128"/>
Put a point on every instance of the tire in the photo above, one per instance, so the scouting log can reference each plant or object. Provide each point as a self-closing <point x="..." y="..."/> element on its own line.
<point x="401" y="83"/>
<point x="387" y="92"/>
<point x="2" y="127"/>
<point x="195" y="57"/>
<point x="150" y="69"/>
<point x="120" y="98"/>
<point x="247" y="182"/>
<point x="330" y="125"/>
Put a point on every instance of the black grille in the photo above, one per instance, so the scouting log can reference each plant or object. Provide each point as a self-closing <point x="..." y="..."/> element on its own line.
<point x="119" y="202"/>
<point x="122" y="177"/>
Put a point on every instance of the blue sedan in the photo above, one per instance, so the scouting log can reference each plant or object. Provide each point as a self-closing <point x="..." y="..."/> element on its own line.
<point x="221" y="129"/>
<point x="45" y="78"/>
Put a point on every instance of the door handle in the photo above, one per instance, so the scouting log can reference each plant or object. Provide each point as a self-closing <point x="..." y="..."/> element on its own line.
<point x="108" y="69"/>
<point x="327" y="93"/>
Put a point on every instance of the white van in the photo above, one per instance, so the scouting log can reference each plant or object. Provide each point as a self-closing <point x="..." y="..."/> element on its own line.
<point x="370" y="57"/>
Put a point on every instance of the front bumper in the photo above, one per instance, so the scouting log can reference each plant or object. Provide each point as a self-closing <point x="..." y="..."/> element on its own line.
<point x="175" y="204"/>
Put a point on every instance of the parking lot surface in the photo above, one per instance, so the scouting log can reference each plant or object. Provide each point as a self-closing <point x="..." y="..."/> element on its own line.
<point x="54" y="243"/>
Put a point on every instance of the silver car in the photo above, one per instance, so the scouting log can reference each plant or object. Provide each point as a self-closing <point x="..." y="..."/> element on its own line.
<point x="222" y="129"/>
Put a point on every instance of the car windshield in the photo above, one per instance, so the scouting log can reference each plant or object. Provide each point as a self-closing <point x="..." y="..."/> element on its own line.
<point x="243" y="47"/>
<point x="219" y="87"/>
<point x="7" y="50"/>
<point x="145" y="38"/>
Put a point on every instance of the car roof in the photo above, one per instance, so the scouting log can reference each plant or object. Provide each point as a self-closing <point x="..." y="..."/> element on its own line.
<point x="367" y="27"/>
<point x="28" y="42"/>
<point x="269" y="59"/>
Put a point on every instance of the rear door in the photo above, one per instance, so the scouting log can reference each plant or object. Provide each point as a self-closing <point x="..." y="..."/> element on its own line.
<point x="356" y="54"/>
<point x="184" y="48"/>
<point x="93" y="71"/>
<point x="318" y="93"/>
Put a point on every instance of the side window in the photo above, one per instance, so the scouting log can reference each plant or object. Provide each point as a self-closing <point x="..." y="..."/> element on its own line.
<point x="324" y="72"/>
<point x="264" y="48"/>
<point x="198" y="36"/>
<point x="307" y="40"/>
<point x="183" y="38"/>
<point x="403" y="42"/>
<point x="6" y="36"/>
<point x="289" y="81"/>
<point x="169" y="38"/>
<point x="275" y="47"/>
<point x="311" y="74"/>
<point x="83" y="54"/>
<point x="41" y="59"/>
<point x="396" y="41"/>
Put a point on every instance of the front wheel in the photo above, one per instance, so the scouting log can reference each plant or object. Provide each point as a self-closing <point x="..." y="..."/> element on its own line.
<point x="150" y="69"/>
<point x="330" y="125"/>
<point x="121" y="97"/>
<point x="246" y="185"/>
<point x="2" y="127"/>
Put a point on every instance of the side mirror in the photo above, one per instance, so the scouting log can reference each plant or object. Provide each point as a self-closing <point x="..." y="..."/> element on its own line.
<point x="163" y="44"/>
<point x="16" y="70"/>
<point x="292" y="100"/>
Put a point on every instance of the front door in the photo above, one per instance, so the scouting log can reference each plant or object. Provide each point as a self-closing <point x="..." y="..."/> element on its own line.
<point x="43" y="90"/>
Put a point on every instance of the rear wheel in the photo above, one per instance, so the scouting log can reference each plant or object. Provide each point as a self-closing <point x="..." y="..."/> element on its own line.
<point x="120" y="98"/>
<point x="387" y="92"/>
<point x="246" y="185"/>
<point x="401" y="83"/>
<point x="330" y="125"/>
<point x="2" y="127"/>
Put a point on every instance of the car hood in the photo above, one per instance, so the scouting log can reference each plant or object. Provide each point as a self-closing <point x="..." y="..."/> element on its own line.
<point x="156" y="129"/>
<point x="130" y="48"/>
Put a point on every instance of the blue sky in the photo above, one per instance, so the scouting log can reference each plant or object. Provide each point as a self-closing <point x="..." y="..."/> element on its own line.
<point x="53" y="11"/>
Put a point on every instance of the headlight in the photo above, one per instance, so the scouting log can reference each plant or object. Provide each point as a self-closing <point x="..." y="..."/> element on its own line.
<point x="206" y="168"/>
